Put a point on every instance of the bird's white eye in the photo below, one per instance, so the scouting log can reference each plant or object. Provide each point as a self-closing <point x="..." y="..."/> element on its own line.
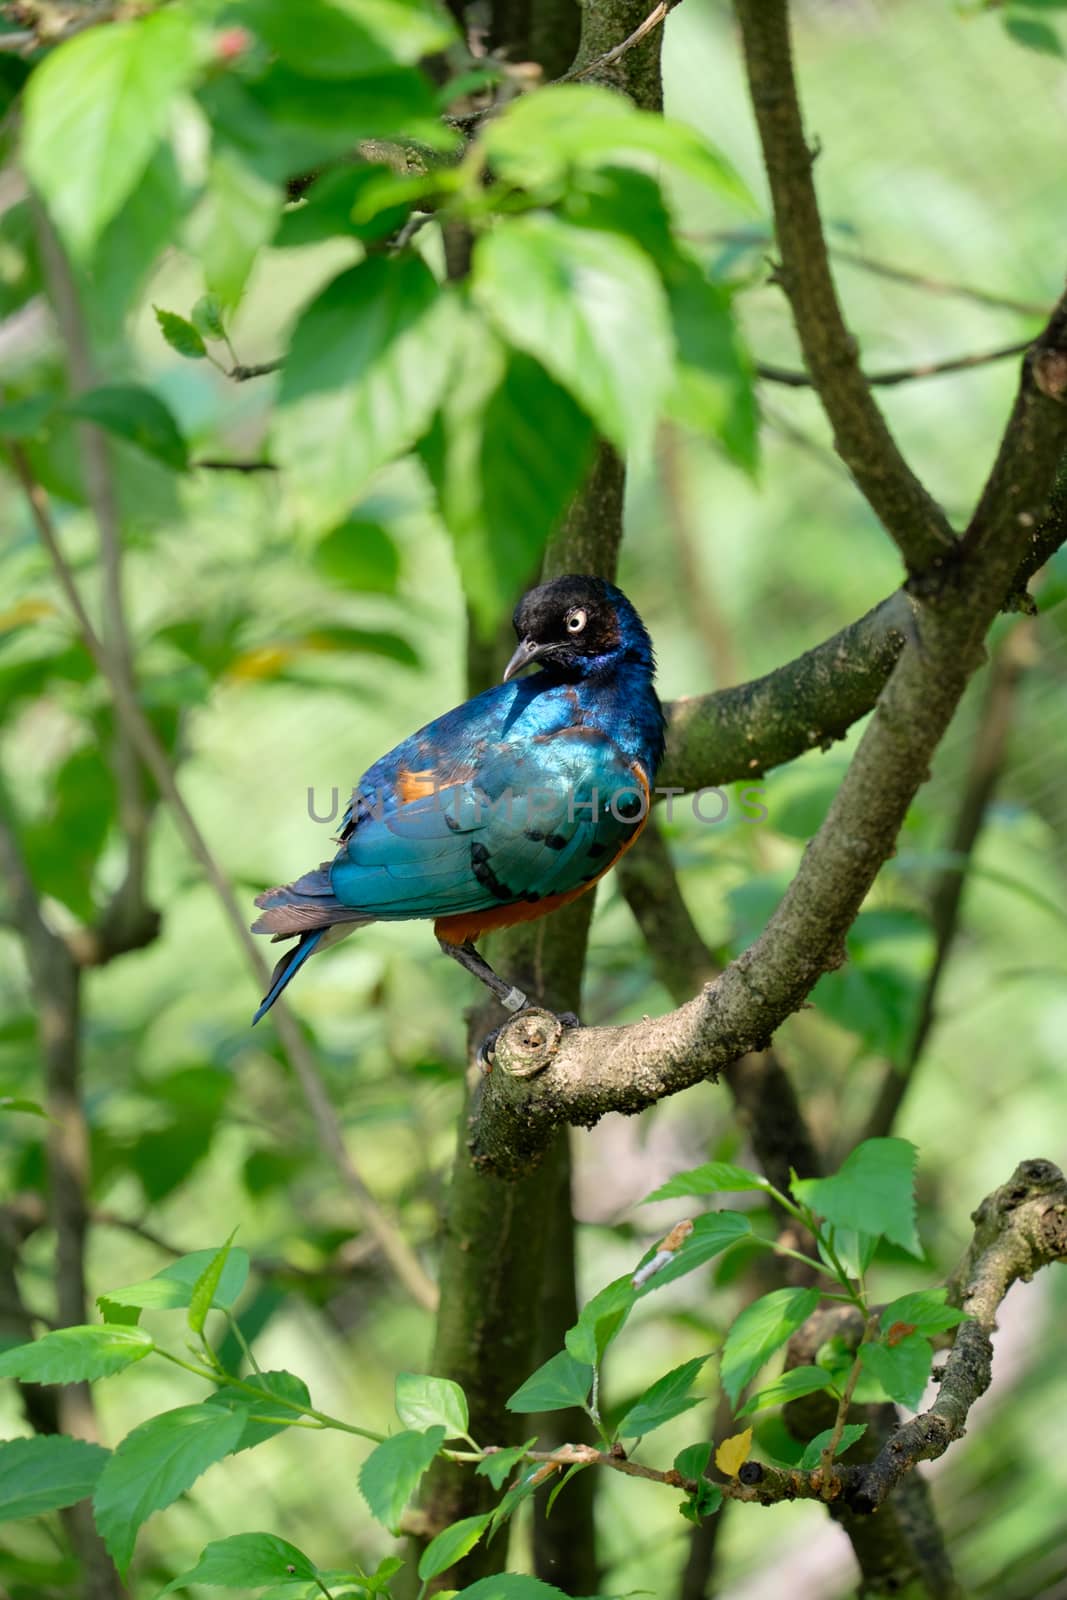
<point x="576" y="620"/>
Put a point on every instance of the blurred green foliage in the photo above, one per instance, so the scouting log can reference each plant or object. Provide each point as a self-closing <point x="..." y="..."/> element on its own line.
<point x="290" y="626"/>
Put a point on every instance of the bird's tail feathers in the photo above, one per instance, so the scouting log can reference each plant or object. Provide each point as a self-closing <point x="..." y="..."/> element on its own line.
<point x="310" y="910"/>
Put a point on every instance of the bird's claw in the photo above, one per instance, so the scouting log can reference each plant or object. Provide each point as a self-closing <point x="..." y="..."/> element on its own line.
<point x="566" y="1019"/>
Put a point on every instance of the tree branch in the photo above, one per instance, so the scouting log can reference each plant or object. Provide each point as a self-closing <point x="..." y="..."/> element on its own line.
<point x="863" y="440"/>
<point x="998" y="712"/>
<point x="895" y="375"/>
<point x="543" y="1078"/>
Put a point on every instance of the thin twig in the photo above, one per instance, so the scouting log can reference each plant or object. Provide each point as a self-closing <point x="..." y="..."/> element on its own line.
<point x="241" y="374"/>
<point x="393" y="1245"/>
<point x="862" y="438"/>
<point x="998" y="712"/>
<point x="235" y="466"/>
<point x="895" y="375"/>
<point x="940" y="286"/>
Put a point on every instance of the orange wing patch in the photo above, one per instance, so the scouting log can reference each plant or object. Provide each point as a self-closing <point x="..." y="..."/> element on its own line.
<point x="412" y="785"/>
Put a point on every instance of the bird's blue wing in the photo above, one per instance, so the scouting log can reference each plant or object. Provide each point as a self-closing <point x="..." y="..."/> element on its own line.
<point x="506" y="822"/>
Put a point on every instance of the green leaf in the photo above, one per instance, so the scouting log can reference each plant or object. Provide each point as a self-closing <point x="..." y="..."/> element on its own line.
<point x="10" y="1102"/>
<point x="46" y="1473"/>
<point x="600" y="1320"/>
<point x="74" y="1355"/>
<point x="790" y="1386"/>
<point x="714" y="383"/>
<point x="452" y="1545"/>
<point x="94" y="112"/>
<point x="541" y="137"/>
<point x="155" y="1464"/>
<point x="367" y="365"/>
<point x="714" y="1177"/>
<point x="244" y="1561"/>
<point x="713" y="1232"/>
<point x="148" y="223"/>
<point x="706" y="1501"/>
<point x="349" y="38"/>
<point x="903" y="1369"/>
<point x="207" y="317"/>
<point x="926" y="1309"/>
<point x="357" y="202"/>
<point x="269" y="1388"/>
<point x="172" y="1288"/>
<point x="360" y="555"/>
<point x="237" y="217"/>
<point x="136" y="414"/>
<point x="666" y="1398"/>
<point x="21" y="419"/>
<point x="559" y="1383"/>
<point x="206" y="1287"/>
<point x="1033" y="35"/>
<point x="761" y="1329"/>
<point x="590" y="307"/>
<point x="499" y="1466"/>
<point x="513" y="450"/>
<point x="510" y="1586"/>
<point x="813" y="1451"/>
<point x="391" y="1473"/>
<point x="428" y="1402"/>
<point x="180" y="334"/>
<point x="873" y="1192"/>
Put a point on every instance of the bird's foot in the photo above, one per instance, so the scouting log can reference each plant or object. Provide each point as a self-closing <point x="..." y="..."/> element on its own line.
<point x="566" y="1019"/>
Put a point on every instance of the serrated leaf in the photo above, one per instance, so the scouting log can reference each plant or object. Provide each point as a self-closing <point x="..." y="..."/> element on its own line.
<point x="244" y="1561"/>
<point x="367" y="365"/>
<point x="235" y="220"/>
<point x="452" y="1545"/>
<point x="499" y="1466"/>
<point x="181" y="335"/>
<point x="791" y="1385"/>
<point x="423" y="1402"/>
<point x="903" y="1369"/>
<point x="94" y="111"/>
<point x="269" y="1388"/>
<point x="692" y="1462"/>
<point x="873" y="1192"/>
<point x="760" y="1330"/>
<point x="137" y="415"/>
<point x="713" y="1232"/>
<point x="155" y="1464"/>
<point x="560" y="1382"/>
<point x="391" y="1473"/>
<point x="207" y="317"/>
<point x="360" y="555"/>
<point x="813" y="1452"/>
<point x="714" y="1177"/>
<point x="348" y="41"/>
<point x="666" y="1398"/>
<point x="46" y="1473"/>
<point x="713" y="391"/>
<point x="600" y="1320"/>
<point x="926" y="1309"/>
<point x="540" y="138"/>
<point x="732" y="1453"/>
<point x="75" y="1355"/>
<point x="172" y="1287"/>
<point x="206" y="1287"/>
<point x="573" y="299"/>
<point x="510" y="1586"/>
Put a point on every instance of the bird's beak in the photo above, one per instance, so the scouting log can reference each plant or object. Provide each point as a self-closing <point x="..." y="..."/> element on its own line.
<point x="526" y="652"/>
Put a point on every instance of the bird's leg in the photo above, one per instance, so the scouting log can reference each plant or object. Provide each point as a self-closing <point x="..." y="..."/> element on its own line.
<point x="510" y="998"/>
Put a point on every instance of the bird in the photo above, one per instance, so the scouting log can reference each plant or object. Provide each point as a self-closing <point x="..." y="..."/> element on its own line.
<point x="506" y="807"/>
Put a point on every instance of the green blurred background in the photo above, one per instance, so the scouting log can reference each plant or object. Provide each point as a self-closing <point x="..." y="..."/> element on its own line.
<point x="943" y="145"/>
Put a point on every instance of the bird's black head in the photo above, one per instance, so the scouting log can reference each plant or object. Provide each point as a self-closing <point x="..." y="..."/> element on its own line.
<point x="578" y="626"/>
